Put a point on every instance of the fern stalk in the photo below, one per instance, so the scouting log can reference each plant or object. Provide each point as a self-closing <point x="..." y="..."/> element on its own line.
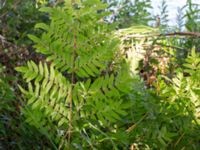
<point x="72" y="86"/>
<point x="69" y="132"/>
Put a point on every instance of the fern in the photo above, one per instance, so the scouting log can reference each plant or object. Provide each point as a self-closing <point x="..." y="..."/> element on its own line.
<point x="186" y="88"/>
<point x="180" y="101"/>
<point x="193" y="82"/>
<point x="83" y="85"/>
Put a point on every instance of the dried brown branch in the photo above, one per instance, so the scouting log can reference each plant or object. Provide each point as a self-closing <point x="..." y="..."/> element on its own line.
<point x="193" y="34"/>
<point x="14" y="6"/>
<point x="174" y="34"/>
<point x="5" y="42"/>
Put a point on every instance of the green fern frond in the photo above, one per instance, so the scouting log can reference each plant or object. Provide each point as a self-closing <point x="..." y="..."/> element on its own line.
<point x="48" y="92"/>
<point x="193" y="64"/>
<point x="85" y="81"/>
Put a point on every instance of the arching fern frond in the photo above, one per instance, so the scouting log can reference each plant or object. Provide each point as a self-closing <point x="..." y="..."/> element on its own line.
<point x="85" y="81"/>
<point x="47" y="91"/>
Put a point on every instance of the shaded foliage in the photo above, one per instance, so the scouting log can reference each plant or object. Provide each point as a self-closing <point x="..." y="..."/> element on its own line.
<point x="127" y="13"/>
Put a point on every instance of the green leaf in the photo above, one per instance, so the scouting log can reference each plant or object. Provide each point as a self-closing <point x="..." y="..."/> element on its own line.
<point x="21" y="69"/>
<point x="34" y="38"/>
<point x="42" y="26"/>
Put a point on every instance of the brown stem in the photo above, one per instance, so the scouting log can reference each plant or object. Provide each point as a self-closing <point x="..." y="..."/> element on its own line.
<point x="134" y="125"/>
<point x="70" y="98"/>
<point x="179" y="139"/>
<point x="69" y="131"/>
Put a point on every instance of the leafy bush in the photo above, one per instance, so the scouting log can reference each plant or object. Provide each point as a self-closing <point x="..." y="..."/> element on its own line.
<point x="7" y="108"/>
<point x="181" y="99"/>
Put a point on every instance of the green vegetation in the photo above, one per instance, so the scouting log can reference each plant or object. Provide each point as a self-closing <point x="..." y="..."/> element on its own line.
<point x="73" y="75"/>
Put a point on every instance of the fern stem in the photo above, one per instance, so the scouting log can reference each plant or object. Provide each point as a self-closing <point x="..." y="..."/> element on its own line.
<point x="70" y="116"/>
<point x="68" y="134"/>
<point x="134" y="125"/>
<point x="71" y="91"/>
<point x="179" y="139"/>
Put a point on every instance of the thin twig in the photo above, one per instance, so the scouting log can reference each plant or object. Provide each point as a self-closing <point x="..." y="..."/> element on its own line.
<point x="4" y="42"/>
<point x="134" y="125"/>
<point x="179" y="139"/>
<point x="170" y="46"/>
<point x="14" y="6"/>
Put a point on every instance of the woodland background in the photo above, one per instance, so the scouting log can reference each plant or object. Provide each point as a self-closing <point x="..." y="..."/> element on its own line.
<point x="91" y="74"/>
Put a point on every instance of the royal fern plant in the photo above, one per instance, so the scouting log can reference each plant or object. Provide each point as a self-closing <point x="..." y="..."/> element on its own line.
<point x="77" y="97"/>
<point x="180" y="98"/>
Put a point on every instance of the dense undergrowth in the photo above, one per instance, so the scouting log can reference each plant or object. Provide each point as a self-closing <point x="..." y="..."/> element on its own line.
<point x="85" y="84"/>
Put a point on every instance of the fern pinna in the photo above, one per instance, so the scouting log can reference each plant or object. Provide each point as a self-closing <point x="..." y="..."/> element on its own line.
<point x="83" y="87"/>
